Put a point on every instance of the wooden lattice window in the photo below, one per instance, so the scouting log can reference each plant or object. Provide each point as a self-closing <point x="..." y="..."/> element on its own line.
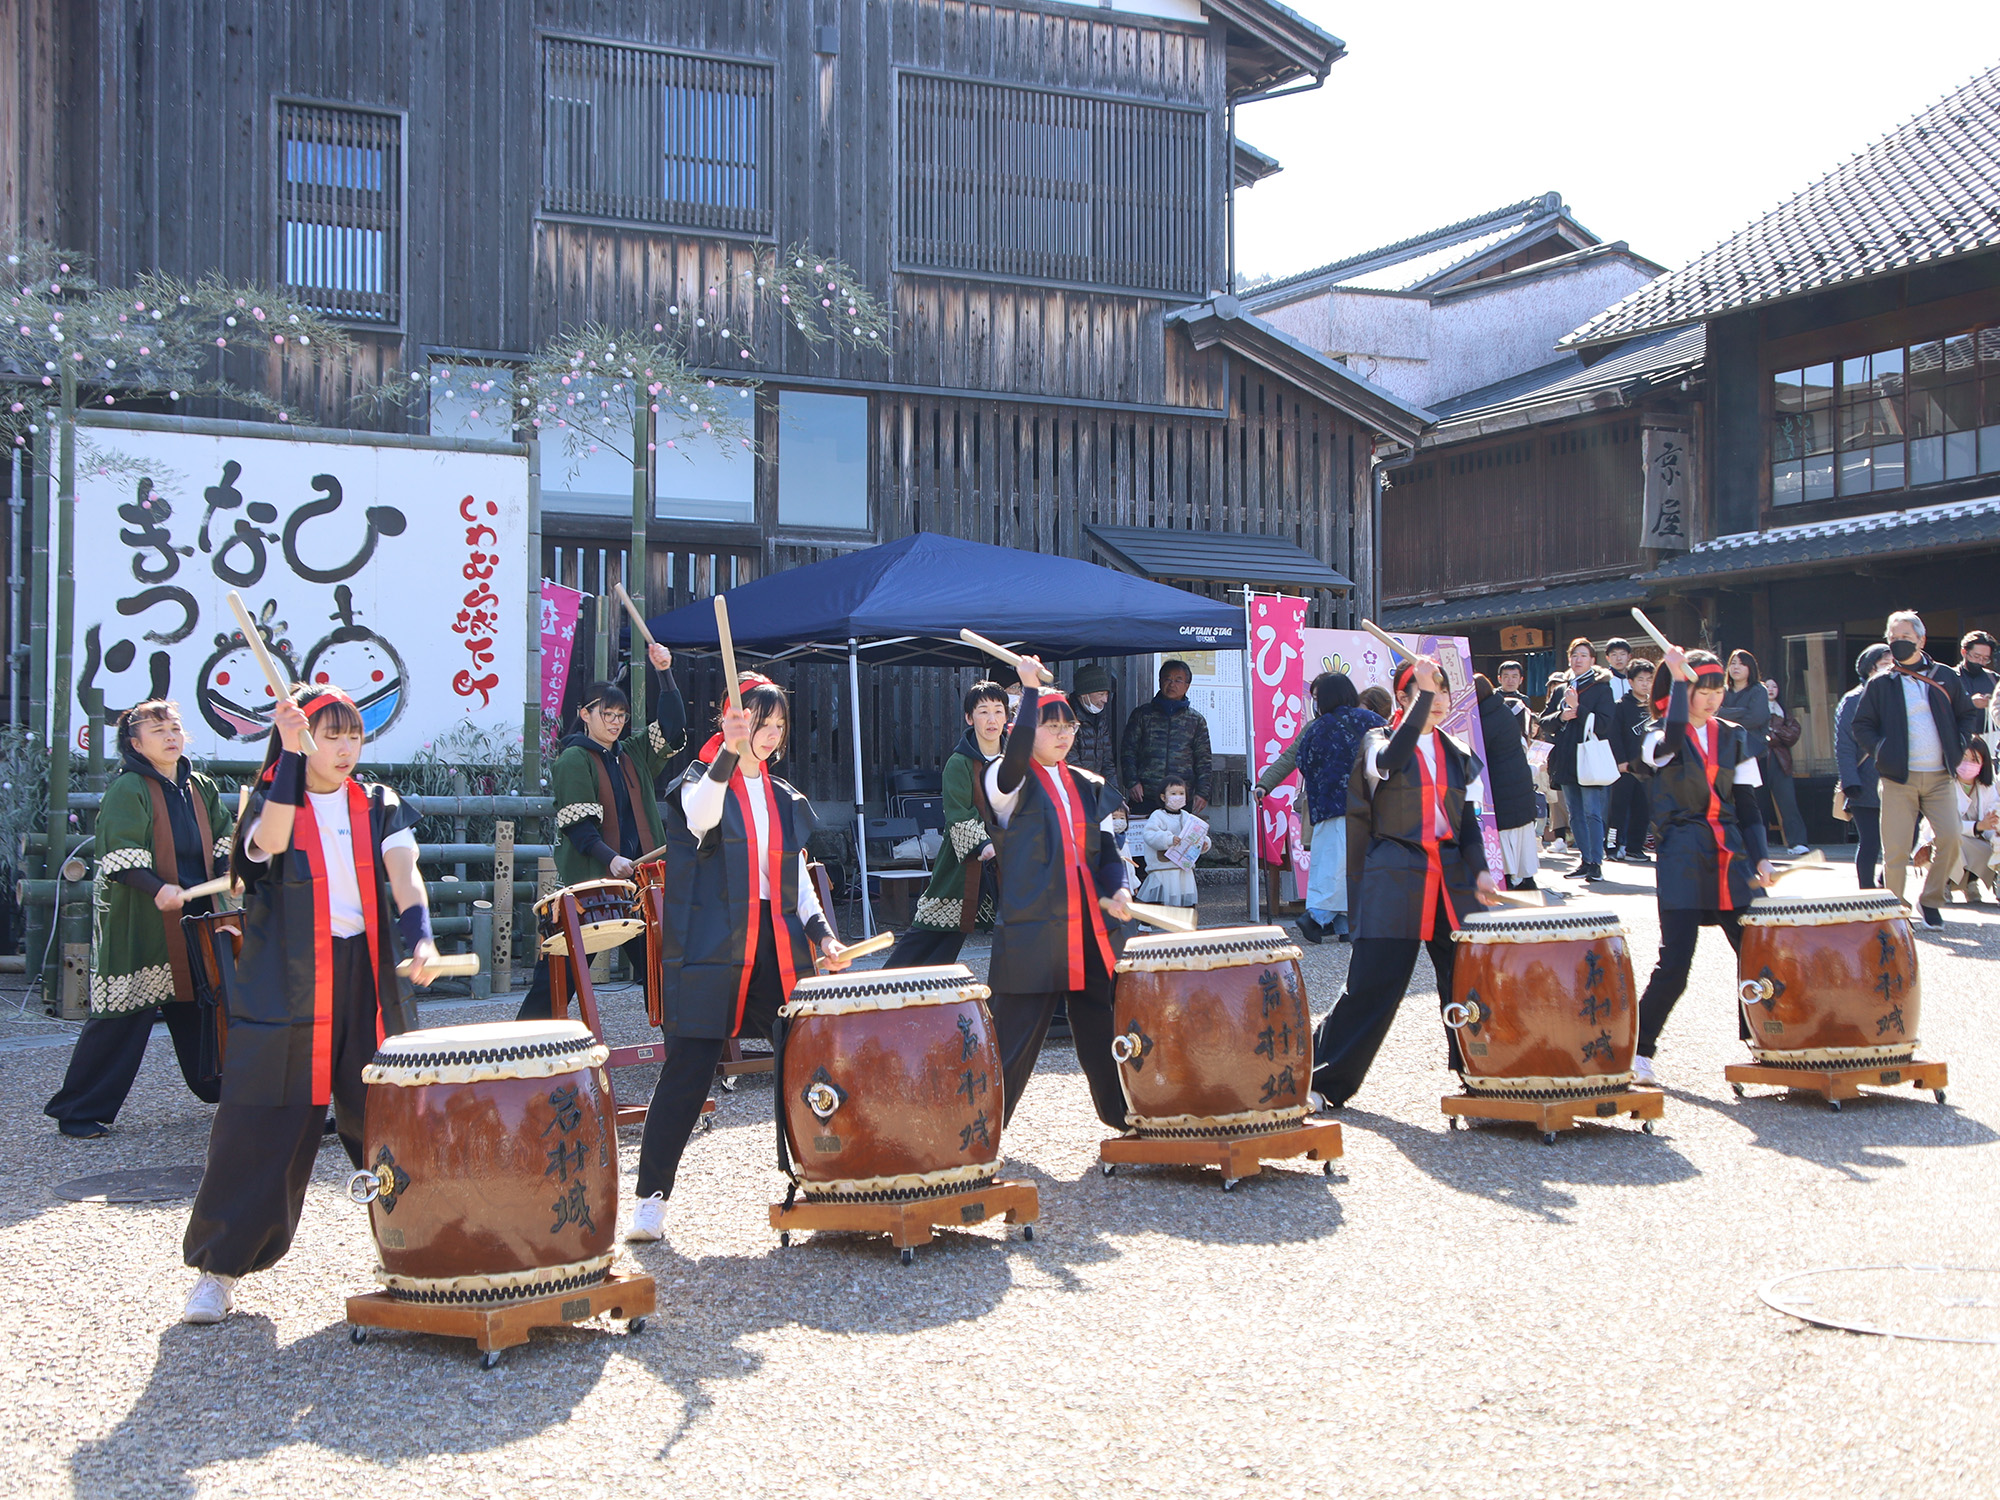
<point x="340" y="210"/>
<point x="658" y="137"/>
<point x="1016" y="182"/>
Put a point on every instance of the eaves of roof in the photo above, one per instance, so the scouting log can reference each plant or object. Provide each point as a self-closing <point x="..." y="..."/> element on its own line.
<point x="1216" y="557"/>
<point x="1223" y="321"/>
<point x="1251" y="166"/>
<point x="1269" y="46"/>
<point x="1569" y="387"/>
<point x="1559" y="599"/>
<point x="1933" y="528"/>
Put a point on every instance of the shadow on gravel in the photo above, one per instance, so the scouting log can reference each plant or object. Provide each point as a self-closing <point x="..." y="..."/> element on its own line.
<point x="1510" y="1165"/>
<point x="1858" y="1141"/>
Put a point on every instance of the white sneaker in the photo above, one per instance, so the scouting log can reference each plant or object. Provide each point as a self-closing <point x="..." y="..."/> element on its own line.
<point x="1797" y="849"/>
<point x="1315" y="1103"/>
<point x="649" y="1221"/>
<point x="212" y="1300"/>
<point x="1556" y="846"/>
<point x="1642" y="1069"/>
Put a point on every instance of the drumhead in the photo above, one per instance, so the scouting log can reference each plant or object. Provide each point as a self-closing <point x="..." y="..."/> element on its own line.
<point x="1525" y="925"/>
<point x="1210" y="948"/>
<point x="618" y="887"/>
<point x="884" y="989"/>
<point x="492" y="1049"/>
<point x="1825" y="911"/>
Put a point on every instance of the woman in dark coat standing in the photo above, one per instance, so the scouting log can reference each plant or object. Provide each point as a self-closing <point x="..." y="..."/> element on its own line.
<point x="1585" y="706"/>
<point x="1746" y="705"/>
<point x="1510" y="783"/>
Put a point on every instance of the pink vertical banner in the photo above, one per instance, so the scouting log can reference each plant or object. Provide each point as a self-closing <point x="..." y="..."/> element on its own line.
<point x="560" y="607"/>
<point x="1277" y="710"/>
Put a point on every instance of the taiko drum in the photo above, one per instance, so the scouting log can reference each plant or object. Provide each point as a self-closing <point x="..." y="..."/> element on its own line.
<point x="1830" y="980"/>
<point x="607" y="911"/>
<point x="491" y="1162"/>
<point x="889" y="1083"/>
<point x="1212" y="1032"/>
<point x="1543" y="1004"/>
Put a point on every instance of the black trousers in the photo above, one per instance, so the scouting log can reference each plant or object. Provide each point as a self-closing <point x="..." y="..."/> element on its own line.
<point x="1868" y="857"/>
<point x="107" y="1058"/>
<point x="1021" y="1025"/>
<point x="688" y="1070"/>
<point x="1678" y="932"/>
<point x="538" y="1005"/>
<point x="1631" y="814"/>
<point x="261" y="1157"/>
<point x="922" y="947"/>
<point x="1378" y="976"/>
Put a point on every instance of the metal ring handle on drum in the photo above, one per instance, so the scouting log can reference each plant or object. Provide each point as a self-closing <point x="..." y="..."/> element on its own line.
<point x="823" y="1099"/>
<point x="1459" y="1014"/>
<point x="364" y="1187"/>
<point x="1123" y="1046"/>
<point x="1755" y="991"/>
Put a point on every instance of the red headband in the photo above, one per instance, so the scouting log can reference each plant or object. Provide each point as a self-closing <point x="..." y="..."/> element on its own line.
<point x="325" y="699"/>
<point x="753" y="680"/>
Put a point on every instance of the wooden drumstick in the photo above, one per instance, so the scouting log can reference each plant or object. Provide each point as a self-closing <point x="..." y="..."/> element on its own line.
<point x="638" y="621"/>
<point x="1511" y="898"/>
<point x="728" y="644"/>
<point x="444" y="966"/>
<point x="652" y="854"/>
<point x="255" y="640"/>
<point x="880" y="943"/>
<point x="1167" y="918"/>
<point x="994" y="648"/>
<point x="222" y="885"/>
<point x="1651" y="629"/>
<point x="1812" y="859"/>
<point x="1396" y="647"/>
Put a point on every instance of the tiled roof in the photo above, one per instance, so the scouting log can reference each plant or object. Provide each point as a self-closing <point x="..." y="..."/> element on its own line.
<point x="1928" y="190"/>
<point x="1932" y="528"/>
<point x="1217" y="556"/>
<point x="1652" y="360"/>
<point x="1487" y="228"/>
<point x="1523" y="604"/>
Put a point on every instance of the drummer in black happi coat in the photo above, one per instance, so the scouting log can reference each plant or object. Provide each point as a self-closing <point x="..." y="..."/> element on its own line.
<point x="1416" y="865"/>
<point x="1712" y="847"/>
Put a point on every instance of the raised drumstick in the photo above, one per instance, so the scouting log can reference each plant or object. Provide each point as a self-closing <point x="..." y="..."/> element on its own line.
<point x="994" y="648"/>
<point x="255" y="640"/>
<point x="728" y="643"/>
<point x="1651" y="629"/>
<point x="638" y="621"/>
<point x="1396" y="647"/>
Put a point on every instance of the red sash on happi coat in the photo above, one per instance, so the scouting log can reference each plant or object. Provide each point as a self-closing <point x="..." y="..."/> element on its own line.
<point x="1081" y="880"/>
<point x="306" y="839"/>
<point x="774" y="870"/>
<point x="1434" y="886"/>
<point x="1709" y="756"/>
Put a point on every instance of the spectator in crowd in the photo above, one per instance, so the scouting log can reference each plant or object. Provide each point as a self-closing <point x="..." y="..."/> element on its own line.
<point x="1618" y="658"/>
<point x="1583" y="710"/>
<point x="1747" y="705"/>
<point x="1857" y="770"/>
<point x="1096" y="746"/>
<point x="1978" y="820"/>
<point x="1781" y="733"/>
<point x="1509" y="783"/>
<point x="1509" y="684"/>
<point x="1975" y="668"/>
<point x="1166" y="736"/>
<point x="1557" y="832"/>
<point x="1915" y="720"/>
<point x="1324" y="754"/>
<point x="1167" y="883"/>
<point x="1631" y="798"/>
<point x="1377" y="701"/>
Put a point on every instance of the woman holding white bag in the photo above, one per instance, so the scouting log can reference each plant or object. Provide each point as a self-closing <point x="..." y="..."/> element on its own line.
<point x="1583" y="763"/>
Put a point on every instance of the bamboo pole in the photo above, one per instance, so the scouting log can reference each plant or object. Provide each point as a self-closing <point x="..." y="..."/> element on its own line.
<point x="531" y="709"/>
<point x="64" y="621"/>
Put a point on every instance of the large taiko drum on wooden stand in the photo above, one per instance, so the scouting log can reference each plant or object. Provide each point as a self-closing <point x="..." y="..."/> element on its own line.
<point x="889" y="1084"/>
<point x="492" y="1162"/>
<point x="1543" y="1005"/>
<point x="607" y="911"/>
<point x="1829" y="981"/>
<point x="1212" y="1032"/>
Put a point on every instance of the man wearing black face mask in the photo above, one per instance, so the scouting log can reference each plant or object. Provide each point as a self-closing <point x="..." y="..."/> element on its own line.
<point x="1915" y="721"/>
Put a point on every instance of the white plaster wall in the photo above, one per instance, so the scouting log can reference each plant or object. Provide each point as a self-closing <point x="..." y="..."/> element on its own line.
<point x="1481" y="337"/>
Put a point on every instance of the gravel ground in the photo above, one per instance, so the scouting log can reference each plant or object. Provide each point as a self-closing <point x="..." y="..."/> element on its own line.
<point x="1463" y="1313"/>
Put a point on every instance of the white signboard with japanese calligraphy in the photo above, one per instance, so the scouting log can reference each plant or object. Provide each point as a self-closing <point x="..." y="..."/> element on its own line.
<point x="399" y="574"/>
<point x="1669" y="489"/>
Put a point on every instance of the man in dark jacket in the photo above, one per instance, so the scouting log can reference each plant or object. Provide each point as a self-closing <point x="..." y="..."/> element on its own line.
<point x="1857" y="770"/>
<point x="1096" y="747"/>
<point x="1631" y="801"/>
<point x="1510" y="783"/>
<point x="1166" y="736"/>
<point x="1915" y="721"/>
<point x="1975" y="667"/>
<point x="1584" y="707"/>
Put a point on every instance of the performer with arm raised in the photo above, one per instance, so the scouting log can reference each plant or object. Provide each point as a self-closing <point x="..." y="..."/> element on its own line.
<point x="1711" y="841"/>
<point x="1416" y="862"/>
<point x="162" y="827"/>
<point x="1051" y="940"/>
<point x="607" y="813"/>
<point x="959" y="896"/>
<point x="323" y="858"/>
<point x="742" y="921"/>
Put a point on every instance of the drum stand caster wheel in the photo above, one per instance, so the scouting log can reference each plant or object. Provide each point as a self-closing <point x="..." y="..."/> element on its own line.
<point x="1454" y="1123"/>
<point x="1834" y="1105"/>
<point x="1739" y="1091"/>
<point x="1548" y="1137"/>
<point x="784" y="1238"/>
<point x="728" y="1083"/>
<point x="490" y="1360"/>
<point x="637" y="1325"/>
<point x="1229" y="1184"/>
<point x="1108" y="1168"/>
<point x="909" y="1255"/>
<point x="1647" y="1126"/>
<point x="1938" y="1094"/>
<point x="356" y="1334"/>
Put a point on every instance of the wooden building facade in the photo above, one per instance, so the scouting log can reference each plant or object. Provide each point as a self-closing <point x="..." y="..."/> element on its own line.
<point x="1038" y="191"/>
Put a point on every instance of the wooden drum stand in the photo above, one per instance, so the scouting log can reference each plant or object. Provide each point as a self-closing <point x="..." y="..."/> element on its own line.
<point x="1837" y="1083"/>
<point x="1238" y="1156"/>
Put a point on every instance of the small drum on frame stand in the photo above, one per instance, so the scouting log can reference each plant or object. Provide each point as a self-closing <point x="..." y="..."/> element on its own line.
<point x="1831" y="996"/>
<point x="492" y="1185"/>
<point x="889" y="1107"/>
<point x="1213" y="1039"/>
<point x="1545" y="1018"/>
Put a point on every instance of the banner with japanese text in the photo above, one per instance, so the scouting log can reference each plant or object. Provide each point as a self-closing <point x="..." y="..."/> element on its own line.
<point x="560" y="608"/>
<point x="1278" y="710"/>
<point x="397" y="573"/>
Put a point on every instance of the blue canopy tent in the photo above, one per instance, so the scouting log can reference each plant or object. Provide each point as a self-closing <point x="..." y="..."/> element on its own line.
<point x="904" y="603"/>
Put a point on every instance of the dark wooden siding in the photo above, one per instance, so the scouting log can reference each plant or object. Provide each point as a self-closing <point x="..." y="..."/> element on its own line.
<point x="1556" y="503"/>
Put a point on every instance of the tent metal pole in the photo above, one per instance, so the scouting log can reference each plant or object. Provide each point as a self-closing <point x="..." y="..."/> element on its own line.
<point x="860" y="811"/>
<point x="1250" y="758"/>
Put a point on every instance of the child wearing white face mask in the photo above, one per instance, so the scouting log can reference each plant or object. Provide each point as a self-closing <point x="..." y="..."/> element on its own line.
<point x="1177" y="838"/>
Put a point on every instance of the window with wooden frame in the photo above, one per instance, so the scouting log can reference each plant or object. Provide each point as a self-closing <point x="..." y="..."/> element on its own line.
<point x="634" y="133"/>
<point x="1032" y="184"/>
<point x="1887" y="419"/>
<point x="340" y="210"/>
